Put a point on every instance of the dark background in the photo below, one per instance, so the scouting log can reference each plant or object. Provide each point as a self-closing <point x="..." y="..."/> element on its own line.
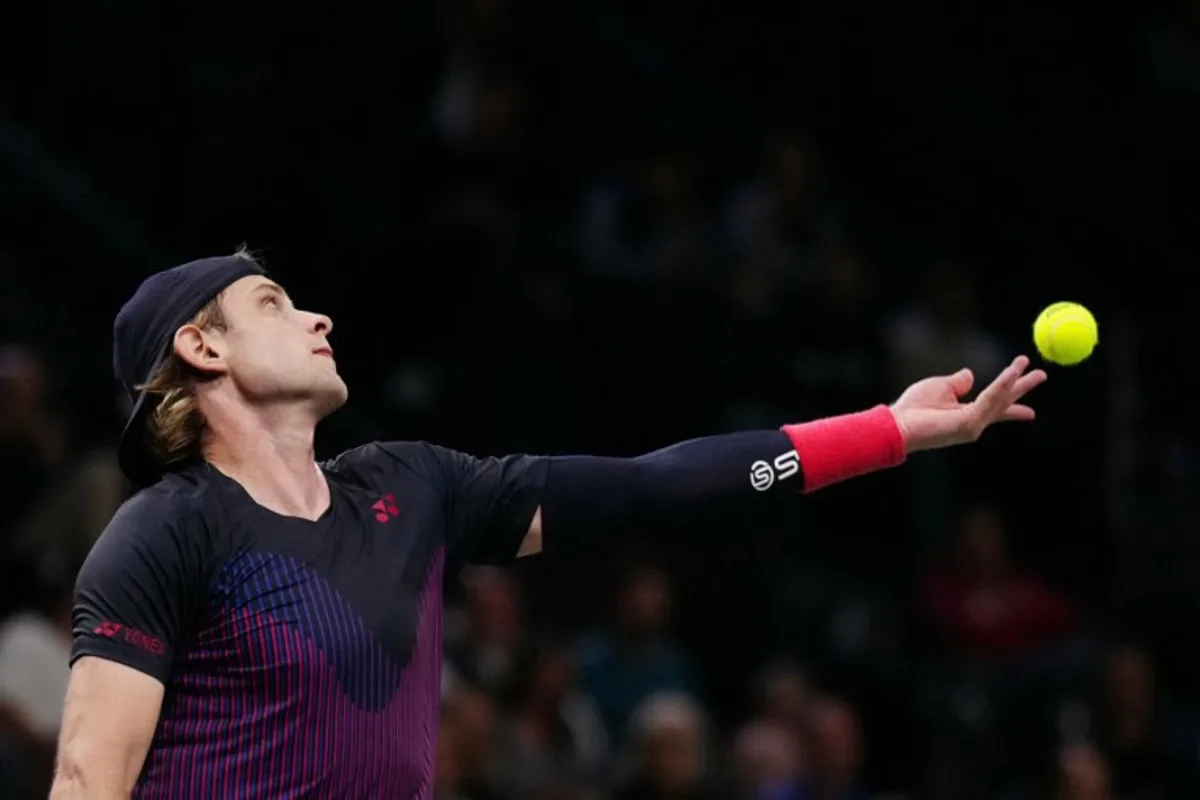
<point x="423" y="172"/>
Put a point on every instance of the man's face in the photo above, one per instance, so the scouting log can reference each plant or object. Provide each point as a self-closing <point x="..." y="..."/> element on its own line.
<point x="273" y="352"/>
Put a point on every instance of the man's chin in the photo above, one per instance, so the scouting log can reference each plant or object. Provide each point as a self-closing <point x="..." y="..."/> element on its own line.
<point x="330" y="398"/>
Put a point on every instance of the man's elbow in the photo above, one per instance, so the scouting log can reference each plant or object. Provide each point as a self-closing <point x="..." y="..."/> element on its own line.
<point x="74" y="779"/>
<point x="68" y="780"/>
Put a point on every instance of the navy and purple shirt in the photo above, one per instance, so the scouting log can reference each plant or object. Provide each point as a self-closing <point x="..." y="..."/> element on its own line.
<point x="300" y="658"/>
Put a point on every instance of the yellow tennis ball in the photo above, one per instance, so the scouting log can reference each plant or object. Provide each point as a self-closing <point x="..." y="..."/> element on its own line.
<point x="1065" y="333"/>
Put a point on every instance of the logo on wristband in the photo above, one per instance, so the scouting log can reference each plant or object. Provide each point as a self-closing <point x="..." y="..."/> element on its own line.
<point x="763" y="474"/>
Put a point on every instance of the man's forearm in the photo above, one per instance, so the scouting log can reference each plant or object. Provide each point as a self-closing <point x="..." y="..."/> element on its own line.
<point x="587" y="495"/>
<point x="84" y="778"/>
<point x="73" y="787"/>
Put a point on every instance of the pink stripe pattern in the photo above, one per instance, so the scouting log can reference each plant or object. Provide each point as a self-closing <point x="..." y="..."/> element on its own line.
<point x="286" y="693"/>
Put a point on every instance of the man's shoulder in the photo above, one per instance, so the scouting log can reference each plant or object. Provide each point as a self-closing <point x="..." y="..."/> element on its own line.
<point x="416" y="460"/>
<point x="177" y="502"/>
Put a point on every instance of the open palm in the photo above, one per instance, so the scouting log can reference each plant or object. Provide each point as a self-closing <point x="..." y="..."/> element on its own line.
<point x="932" y="414"/>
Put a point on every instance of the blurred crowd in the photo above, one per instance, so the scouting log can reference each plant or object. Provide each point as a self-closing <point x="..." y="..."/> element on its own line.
<point x="987" y="624"/>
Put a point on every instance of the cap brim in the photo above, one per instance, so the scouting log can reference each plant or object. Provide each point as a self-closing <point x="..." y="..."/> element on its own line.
<point x="134" y="456"/>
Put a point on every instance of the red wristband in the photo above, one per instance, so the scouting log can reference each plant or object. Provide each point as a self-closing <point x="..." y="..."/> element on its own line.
<point x="836" y="448"/>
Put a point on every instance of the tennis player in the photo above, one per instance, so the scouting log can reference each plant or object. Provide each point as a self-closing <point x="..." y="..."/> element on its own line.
<point x="254" y="624"/>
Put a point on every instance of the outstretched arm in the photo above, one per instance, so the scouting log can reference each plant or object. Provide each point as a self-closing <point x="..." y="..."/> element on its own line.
<point x="589" y="494"/>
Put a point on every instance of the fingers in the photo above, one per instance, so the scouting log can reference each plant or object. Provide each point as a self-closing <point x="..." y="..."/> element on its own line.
<point x="998" y="395"/>
<point x="961" y="382"/>
<point x="999" y="401"/>
<point x="1027" y="383"/>
<point x="1017" y="413"/>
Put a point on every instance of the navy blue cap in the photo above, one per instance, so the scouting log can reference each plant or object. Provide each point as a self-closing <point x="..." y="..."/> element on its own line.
<point x="143" y="336"/>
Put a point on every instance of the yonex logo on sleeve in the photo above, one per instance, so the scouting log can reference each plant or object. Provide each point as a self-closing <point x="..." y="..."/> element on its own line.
<point x="131" y="636"/>
<point x="109" y="629"/>
<point x="763" y="474"/>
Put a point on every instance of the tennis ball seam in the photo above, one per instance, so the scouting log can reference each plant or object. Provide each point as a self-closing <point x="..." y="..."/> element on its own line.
<point x="1055" y="354"/>
<point x="1066" y="315"/>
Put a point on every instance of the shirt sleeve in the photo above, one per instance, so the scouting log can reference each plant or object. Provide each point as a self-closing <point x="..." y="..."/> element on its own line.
<point x="136" y="592"/>
<point x="489" y="502"/>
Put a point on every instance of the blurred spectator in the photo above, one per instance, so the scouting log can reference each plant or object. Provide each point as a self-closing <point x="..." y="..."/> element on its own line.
<point x="833" y="744"/>
<point x="553" y="734"/>
<point x="465" y="742"/>
<point x="760" y="331"/>
<point x="33" y="438"/>
<point x="1007" y="647"/>
<point x="942" y="333"/>
<point x="775" y="224"/>
<point x="782" y="696"/>
<point x="486" y="184"/>
<point x="648" y="226"/>
<point x="668" y="752"/>
<point x="622" y="667"/>
<point x="838" y="355"/>
<point x="58" y="500"/>
<point x="768" y="762"/>
<point x="448" y="773"/>
<point x="487" y="653"/>
<point x="35" y="648"/>
<point x="982" y="606"/>
<point x="1083" y="775"/>
<point x="34" y="651"/>
<point x="478" y="34"/>
<point x="1130" y="734"/>
<point x="57" y="532"/>
<point x="777" y="220"/>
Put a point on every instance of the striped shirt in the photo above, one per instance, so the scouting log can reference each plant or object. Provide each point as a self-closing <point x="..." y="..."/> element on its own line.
<point x="299" y="658"/>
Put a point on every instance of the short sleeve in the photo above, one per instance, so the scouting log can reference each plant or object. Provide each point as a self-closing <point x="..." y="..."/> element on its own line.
<point x="137" y="589"/>
<point x="492" y="503"/>
<point x="489" y="502"/>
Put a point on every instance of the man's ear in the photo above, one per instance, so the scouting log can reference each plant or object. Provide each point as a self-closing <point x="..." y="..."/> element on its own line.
<point x="202" y="350"/>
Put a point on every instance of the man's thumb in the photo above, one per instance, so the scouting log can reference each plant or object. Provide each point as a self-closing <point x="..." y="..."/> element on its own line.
<point x="962" y="381"/>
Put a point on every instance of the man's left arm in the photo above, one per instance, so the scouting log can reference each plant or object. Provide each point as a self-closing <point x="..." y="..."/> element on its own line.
<point x="521" y="505"/>
<point x="586" y="495"/>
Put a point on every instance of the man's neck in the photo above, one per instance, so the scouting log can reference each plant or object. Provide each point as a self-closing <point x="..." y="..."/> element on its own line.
<point x="271" y="456"/>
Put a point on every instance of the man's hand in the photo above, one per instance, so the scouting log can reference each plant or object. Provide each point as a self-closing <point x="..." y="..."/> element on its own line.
<point x="931" y="413"/>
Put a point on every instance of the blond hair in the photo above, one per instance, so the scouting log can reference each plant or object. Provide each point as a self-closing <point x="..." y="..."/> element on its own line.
<point x="175" y="428"/>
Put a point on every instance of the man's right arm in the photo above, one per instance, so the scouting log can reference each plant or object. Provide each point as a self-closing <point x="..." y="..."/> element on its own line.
<point x="108" y="722"/>
<point x="134" y="599"/>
